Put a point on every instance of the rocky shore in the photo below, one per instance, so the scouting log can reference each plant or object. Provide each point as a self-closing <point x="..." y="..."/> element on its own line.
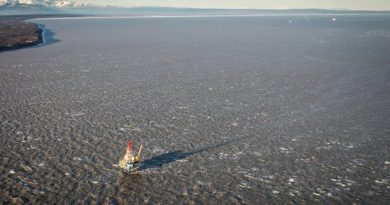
<point x="15" y="33"/>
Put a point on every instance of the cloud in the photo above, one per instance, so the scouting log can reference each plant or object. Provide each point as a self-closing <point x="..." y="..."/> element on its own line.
<point x="282" y="7"/>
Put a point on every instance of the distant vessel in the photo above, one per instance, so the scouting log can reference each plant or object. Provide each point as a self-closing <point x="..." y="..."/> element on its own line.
<point x="130" y="163"/>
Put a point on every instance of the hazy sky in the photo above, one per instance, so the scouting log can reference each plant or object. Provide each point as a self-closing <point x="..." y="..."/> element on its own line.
<point x="266" y="4"/>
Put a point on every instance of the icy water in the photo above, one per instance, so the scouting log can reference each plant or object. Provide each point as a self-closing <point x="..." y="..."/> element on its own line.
<point x="231" y="110"/>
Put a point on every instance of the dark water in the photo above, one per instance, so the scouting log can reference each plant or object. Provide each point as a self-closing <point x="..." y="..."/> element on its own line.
<point x="245" y="110"/>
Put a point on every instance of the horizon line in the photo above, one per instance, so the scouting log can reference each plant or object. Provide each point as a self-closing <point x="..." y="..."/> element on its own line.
<point x="239" y="8"/>
<point x="218" y="8"/>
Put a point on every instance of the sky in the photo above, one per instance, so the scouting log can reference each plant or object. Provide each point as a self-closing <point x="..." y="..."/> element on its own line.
<point x="253" y="4"/>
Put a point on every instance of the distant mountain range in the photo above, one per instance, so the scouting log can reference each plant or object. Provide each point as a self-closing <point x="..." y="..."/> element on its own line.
<point x="12" y="7"/>
<point x="39" y="3"/>
<point x="17" y="7"/>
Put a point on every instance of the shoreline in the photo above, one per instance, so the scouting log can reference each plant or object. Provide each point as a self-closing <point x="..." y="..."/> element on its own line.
<point x="41" y="34"/>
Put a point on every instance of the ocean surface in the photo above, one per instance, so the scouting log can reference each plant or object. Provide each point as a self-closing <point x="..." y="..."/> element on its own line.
<point x="230" y="110"/>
